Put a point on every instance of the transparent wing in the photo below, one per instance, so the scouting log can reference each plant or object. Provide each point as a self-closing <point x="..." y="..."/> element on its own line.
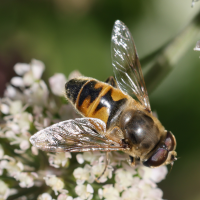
<point x="126" y="64"/>
<point x="79" y="135"/>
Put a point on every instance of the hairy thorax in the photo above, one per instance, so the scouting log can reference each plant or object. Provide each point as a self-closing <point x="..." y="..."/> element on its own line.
<point x="141" y="130"/>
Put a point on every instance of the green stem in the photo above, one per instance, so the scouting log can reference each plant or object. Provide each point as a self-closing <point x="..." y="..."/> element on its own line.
<point x="171" y="54"/>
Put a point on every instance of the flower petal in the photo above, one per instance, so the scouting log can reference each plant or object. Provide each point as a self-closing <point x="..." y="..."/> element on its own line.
<point x="57" y="83"/>
<point x="21" y="68"/>
<point x="37" y="68"/>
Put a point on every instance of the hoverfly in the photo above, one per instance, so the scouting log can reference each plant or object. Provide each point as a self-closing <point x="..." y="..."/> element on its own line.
<point x="112" y="119"/>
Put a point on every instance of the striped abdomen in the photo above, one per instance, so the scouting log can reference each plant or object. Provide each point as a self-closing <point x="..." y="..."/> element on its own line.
<point x="96" y="99"/>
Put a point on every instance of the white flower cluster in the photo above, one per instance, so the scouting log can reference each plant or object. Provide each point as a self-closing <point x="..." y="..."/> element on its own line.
<point x="139" y="182"/>
<point x="28" y="106"/>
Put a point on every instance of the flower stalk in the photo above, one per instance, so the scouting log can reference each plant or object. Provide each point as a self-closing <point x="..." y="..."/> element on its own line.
<point x="169" y="55"/>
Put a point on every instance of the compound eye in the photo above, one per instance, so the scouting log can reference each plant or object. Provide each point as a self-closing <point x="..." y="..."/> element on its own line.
<point x="170" y="141"/>
<point x="157" y="159"/>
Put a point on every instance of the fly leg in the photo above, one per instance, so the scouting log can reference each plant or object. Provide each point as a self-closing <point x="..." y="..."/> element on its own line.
<point x="111" y="81"/>
<point x="132" y="161"/>
<point x="106" y="164"/>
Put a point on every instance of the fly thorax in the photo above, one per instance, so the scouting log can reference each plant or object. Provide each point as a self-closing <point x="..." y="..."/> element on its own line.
<point x="140" y="131"/>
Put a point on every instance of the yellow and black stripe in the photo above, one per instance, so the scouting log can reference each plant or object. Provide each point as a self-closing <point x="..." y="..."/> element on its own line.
<point x="96" y="99"/>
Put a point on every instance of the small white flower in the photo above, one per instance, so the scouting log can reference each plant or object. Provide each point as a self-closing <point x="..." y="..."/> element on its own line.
<point x="37" y="94"/>
<point x="83" y="174"/>
<point x="26" y="179"/>
<point x="21" y="68"/>
<point x="24" y="145"/>
<point x="110" y="193"/>
<point x="71" y="198"/>
<point x="52" y="106"/>
<point x="85" y="192"/>
<point x="41" y="122"/>
<point x="154" y="174"/>
<point x="64" y="196"/>
<point x="37" y="110"/>
<point x="59" y="159"/>
<point x="44" y="196"/>
<point x="124" y="179"/>
<point x="74" y="74"/>
<point x="10" y="91"/>
<point x="4" y="190"/>
<point x="34" y="150"/>
<point x="23" y="120"/>
<point x="90" y="156"/>
<point x="28" y="79"/>
<point x="132" y="192"/>
<point x="37" y="68"/>
<point x="17" y="81"/>
<point x="15" y="107"/>
<point x="98" y="168"/>
<point x="11" y="166"/>
<point x="13" y="93"/>
<point x="35" y="72"/>
<point x="4" y="108"/>
<point x="100" y="193"/>
<point x="57" y="83"/>
<point x="90" y="188"/>
<point x="80" y="158"/>
<point x="155" y="194"/>
<point x="77" y="198"/>
<point x="149" y="190"/>
<point x="14" y="129"/>
<point x="54" y="182"/>
<point x="21" y="139"/>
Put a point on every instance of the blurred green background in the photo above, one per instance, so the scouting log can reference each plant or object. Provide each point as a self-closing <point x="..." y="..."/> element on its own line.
<point x="75" y="34"/>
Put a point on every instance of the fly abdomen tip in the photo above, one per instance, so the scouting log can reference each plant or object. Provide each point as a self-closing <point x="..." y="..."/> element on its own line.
<point x="73" y="87"/>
